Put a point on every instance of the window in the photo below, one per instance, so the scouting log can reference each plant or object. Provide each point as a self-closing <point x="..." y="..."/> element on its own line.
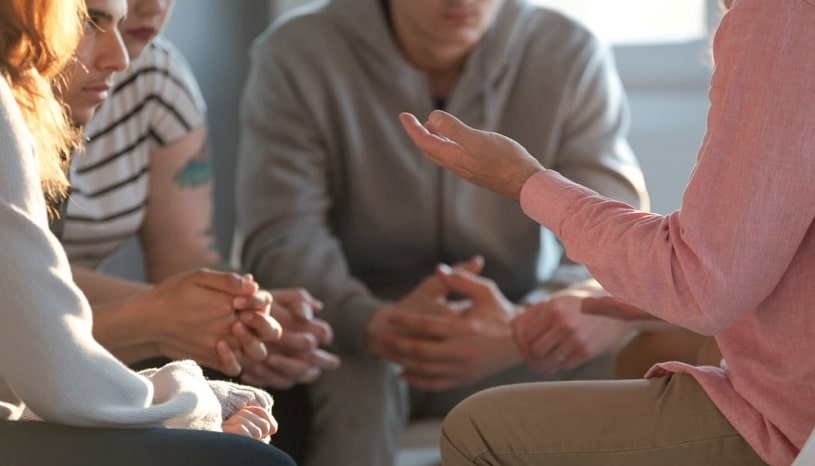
<point x="638" y="21"/>
<point x="658" y="44"/>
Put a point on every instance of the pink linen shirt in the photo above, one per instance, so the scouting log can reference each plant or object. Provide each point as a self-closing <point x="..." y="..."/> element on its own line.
<point x="737" y="261"/>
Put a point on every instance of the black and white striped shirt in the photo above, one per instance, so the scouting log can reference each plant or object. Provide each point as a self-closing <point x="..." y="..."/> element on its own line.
<point x="155" y="102"/>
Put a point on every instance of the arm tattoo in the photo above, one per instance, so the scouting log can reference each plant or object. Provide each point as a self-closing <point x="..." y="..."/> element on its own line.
<point x="197" y="171"/>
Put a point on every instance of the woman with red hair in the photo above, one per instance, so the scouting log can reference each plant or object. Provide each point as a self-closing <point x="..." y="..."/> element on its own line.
<point x="54" y="377"/>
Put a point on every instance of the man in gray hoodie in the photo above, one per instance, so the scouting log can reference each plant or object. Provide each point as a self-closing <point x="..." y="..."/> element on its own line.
<point x="333" y="196"/>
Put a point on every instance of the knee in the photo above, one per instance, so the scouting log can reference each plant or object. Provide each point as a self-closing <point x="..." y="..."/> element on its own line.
<point x="460" y="440"/>
<point x="455" y="424"/>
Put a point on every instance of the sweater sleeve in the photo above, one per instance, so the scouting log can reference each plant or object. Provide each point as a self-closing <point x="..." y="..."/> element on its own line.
<point x="284" y="198"/>
<point x="48" y="357"/>
<point x="748" y="204"/>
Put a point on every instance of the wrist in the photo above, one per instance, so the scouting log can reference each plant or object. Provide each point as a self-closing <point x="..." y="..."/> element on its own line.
<point x="372" y="329"/>
<point x="516" y="310"/>
<point x="124" y="331"/>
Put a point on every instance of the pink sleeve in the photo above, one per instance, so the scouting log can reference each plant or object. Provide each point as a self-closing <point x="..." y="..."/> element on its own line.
<point x="750" y="199"/>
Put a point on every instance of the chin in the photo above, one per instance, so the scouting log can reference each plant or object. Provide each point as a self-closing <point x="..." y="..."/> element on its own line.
<point x="135" y="49"/>
<point x="82" y="116"/>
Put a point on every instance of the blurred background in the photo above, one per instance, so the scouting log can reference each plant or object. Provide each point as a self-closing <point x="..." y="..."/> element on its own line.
<point x="662" y="52"/>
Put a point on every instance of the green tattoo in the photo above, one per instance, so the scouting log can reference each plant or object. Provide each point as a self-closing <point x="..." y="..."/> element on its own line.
<point x="196" y="172"/>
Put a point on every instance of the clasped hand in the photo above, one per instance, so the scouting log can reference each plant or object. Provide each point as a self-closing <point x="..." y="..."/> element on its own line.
<point x="556" y="333"/>
<point x="297" y="356"/>
<point x="440" y="343"/>
<point x="227" y="322"/>
<point x="211" y="317"/>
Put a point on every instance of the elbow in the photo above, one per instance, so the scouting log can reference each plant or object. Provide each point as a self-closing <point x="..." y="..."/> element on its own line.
<point x="715" y="316"/>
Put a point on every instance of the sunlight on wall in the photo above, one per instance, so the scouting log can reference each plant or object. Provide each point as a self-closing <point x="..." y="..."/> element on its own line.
<point x="638" y="21"/>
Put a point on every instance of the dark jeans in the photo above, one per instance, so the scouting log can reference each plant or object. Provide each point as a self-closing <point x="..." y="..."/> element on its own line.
<point x="292" y="410"/>
<point x="31" y="443"/>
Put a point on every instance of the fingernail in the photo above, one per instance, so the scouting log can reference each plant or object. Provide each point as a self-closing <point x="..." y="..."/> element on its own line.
<point x="445" y="269"/>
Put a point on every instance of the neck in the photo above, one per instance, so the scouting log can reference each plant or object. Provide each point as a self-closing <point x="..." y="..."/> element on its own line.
<point x="442" y="64"/>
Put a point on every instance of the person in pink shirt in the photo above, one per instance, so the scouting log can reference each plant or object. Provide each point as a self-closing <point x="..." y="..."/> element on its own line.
<point x="736" y="261"/>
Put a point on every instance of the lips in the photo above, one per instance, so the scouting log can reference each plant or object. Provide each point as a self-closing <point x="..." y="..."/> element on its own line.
<point x="143" y="34"/>
<point x="459" y="16"/>
<point x="97" y="92"/>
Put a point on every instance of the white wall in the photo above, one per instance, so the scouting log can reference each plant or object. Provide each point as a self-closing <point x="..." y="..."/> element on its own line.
<point x="667" y="88"/>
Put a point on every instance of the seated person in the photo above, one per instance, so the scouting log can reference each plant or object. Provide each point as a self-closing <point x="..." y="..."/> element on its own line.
<point x="154" y="118"/>
<point x="735" y="262"/>
<point x="324" y="171"/>
<point x="145" y="171"/>
<point x="87" y="407"/>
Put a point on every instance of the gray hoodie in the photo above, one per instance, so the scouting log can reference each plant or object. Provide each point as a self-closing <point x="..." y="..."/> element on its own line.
<point x="334" y="197"/>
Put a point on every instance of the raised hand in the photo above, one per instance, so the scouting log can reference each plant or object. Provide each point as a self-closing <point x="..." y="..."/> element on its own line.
<point x="487" y="159"/>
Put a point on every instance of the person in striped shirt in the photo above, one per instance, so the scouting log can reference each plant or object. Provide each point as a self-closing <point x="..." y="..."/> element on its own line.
<point x="145" y="171"/>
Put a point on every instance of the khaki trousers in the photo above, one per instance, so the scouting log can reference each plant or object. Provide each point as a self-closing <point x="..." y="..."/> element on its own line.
<point x="668" y="421"/>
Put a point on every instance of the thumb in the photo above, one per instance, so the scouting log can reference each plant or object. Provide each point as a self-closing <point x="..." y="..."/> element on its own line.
<point x="225" y="282"/>
<point x="433" y="287"/>
<point x="473" y="265"/>
<point x="447" y="126"/>
<point x="465" y="282"/>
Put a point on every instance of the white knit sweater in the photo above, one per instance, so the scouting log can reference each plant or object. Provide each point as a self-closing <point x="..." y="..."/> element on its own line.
<point x="49" y="360"/>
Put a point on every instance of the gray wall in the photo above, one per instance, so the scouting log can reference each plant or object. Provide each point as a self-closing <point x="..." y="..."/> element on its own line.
<point x="667" y="89"/>
<point x="214" y="36"/>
